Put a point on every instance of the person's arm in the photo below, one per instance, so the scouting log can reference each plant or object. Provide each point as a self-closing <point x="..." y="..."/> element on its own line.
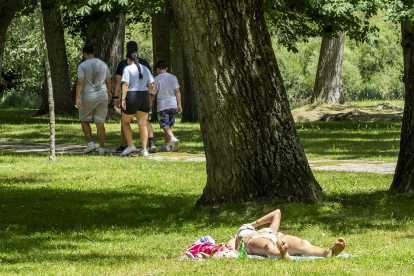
<point x="150" y="89"/>
<point x="273" y="217"/>
<point x="116" y="89"/>
<point x="178" y="96"/>
<point x="79" y="86"/>
<point x="125" y="86"/>
<point x="109" y="88"/>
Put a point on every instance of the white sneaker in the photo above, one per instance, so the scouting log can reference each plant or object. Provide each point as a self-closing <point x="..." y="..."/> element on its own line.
<point x="89" y="149"/>
<point x="164" y="148"/>
<point x="101" y="151"/>
<point x="153" y="149"/>
<point x="143" y="153"/>
<point x="128" y="150"/>
<point x="174" y="143"/>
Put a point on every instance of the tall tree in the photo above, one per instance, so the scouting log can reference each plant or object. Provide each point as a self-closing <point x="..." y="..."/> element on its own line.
<point x="107" y="34"/>
<point x="189" y="97"/>
<point x="328" y="82"/>
<point x="404" y="174"/>
<point x="161" y="44"/>
<point x="251" y="144"/>
<point x="52" y="155"/>
<point x="7" y="11"/>
<point x="64" y="99"/>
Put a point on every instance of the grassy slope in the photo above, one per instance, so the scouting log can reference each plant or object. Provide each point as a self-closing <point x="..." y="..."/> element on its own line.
<point x="95" y="216"/>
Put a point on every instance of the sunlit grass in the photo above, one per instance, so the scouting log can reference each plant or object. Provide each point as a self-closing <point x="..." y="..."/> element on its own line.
<point x="86" y="215"/>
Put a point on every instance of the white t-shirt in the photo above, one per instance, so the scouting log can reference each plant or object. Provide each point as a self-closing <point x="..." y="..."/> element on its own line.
<point x="95" y="72"/>
<point x="164" y="86"/>
<point x="131" y="76"/>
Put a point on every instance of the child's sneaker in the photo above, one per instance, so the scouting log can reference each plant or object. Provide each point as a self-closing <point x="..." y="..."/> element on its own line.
<point x="164" y="148"/>
<point x="174" y="143"/>
<point x="153" y="149"/>
<point x="143" y="153"/>
<point x="101" y="151"/>
<point x="128" y="150"/>
<point x="89" y="149"/>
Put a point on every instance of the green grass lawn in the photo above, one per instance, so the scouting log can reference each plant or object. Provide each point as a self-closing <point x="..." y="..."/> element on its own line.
<point x="91" y="215"/>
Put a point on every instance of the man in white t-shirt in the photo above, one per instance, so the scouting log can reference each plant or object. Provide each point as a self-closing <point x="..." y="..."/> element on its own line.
<point x="168" y="103"/>
<point x="94" y="81"/>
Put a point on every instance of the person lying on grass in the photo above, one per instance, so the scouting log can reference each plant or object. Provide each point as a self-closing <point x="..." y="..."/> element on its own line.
<point x="269" y="242"/>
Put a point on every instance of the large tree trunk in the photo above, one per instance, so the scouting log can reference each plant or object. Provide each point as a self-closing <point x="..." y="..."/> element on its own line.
<point x="109" y="40"/>
<point x="52" y="154"/>
<point x="6" y="15"/>
<point x="251" y="144"/>
<point x="404" y="173"/>
<point x="328" y="82"/>
<point x="160" y="44"/>
<point x="63" y="97"/>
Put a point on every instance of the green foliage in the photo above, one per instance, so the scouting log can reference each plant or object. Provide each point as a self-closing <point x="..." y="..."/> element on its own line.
<point x="23" y="55"/>
<point x="370" y="71"/>
<point x="20" y="99"/>
<point x="140" y="33"/>
<point x="295" y="21"/>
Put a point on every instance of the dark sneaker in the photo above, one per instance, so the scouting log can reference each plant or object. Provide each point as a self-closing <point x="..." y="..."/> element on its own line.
<point x="121" y="148"/>
<point x="153" y="149"/>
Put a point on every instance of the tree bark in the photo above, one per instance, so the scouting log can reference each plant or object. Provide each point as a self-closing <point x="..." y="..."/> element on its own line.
<point x="108" y="39"/>
<point x="251" y="143"/>
<point x="189" y="97"/>
<point x="7" y="12"/>
<point x="64" y="99"/>
<point x="179" y="68"/>
<point x="161" y="44"/>
<point x="52" y="154"/>
<point x="328" y="82"/>
<point x="404" y="174"/>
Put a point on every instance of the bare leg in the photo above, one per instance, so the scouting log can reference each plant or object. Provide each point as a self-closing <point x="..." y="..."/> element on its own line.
<point x="297" y="246"/>
<point x="86" y="127"/>
<point x="143" y="130"/>
<point x="124" y="140"/>
<point x="100" y="128"/>
<point x="126" y="126"/>
<point x="150" y="130"/>
<point x="264" y="247"/>
<point x="168" y="134"/>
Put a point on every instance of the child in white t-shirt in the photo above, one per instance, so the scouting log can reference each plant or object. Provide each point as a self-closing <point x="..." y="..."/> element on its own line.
<point x="168" y="103"/>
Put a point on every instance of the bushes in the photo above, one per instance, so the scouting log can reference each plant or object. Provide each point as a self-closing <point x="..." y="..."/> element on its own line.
<point x="20" y="99"/>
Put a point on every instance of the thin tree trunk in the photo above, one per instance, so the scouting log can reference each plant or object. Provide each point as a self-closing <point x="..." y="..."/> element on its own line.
<point x="160" y="44"/>
<point x="328" y="82"/>
<point x="6" y="16"/>
<point x="52" y="154"/>
<point x="250" y="139"/>
<point x="63" y="96"/>
<point x="189" y="98"/>
<point x="404" y="174"/>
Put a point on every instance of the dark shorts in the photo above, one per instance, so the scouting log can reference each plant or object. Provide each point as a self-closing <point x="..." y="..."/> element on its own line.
<point x="137" y="101"/>
<point x="166" y="117"/>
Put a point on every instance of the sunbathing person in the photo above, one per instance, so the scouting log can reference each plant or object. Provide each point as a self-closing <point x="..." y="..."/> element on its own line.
<point x="269" y="242"/>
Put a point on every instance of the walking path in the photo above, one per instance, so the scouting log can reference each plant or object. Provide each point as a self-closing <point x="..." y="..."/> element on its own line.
<point x="342" y="165"/>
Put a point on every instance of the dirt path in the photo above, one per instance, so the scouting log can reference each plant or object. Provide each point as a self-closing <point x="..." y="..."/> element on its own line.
<point x="340" y="165"/>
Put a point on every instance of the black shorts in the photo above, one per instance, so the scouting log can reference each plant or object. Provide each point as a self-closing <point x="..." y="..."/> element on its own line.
<point x="137" y="101"/>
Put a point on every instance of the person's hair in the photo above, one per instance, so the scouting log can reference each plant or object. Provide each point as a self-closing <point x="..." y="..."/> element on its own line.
<point x="132" y="46"/>
<point x="134" y="57"/>
<point x="88" y="49"/>
<point x="161" y="65"/>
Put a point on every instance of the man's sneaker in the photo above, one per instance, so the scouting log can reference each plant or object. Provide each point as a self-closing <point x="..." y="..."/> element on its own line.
<point x="128" y="150"/>
<point x="101" y="151"/>
<point x="164" y="148"/>
<point x="121" y="148"/>
<point x="143" y="153"/>
<point x="153" y="149"/>
<point x="174" y="143"/>
<point x="89" y="149"/>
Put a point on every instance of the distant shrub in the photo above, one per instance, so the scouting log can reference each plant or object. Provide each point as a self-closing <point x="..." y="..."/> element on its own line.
<point x="19" y="99"/>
